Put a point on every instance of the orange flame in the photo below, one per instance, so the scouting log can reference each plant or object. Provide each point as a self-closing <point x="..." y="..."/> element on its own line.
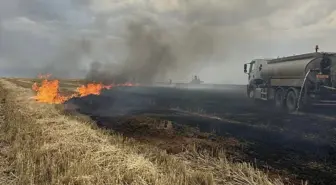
<point x="91" y="89"/>
<point x="48" y="92"/>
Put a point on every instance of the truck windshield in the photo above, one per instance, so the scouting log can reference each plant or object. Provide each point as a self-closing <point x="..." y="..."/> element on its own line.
<point x="252" y="66"/>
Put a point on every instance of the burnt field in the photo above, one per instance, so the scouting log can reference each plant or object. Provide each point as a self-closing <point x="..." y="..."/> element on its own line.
<point x="299" y="146"/>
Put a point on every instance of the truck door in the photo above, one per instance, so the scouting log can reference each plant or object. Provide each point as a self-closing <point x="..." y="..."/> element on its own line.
<point x="251" y="74"/>
<point x="256" y="69"/>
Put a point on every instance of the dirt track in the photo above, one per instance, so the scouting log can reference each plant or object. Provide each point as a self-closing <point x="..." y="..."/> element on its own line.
<point x="303" y="144"/>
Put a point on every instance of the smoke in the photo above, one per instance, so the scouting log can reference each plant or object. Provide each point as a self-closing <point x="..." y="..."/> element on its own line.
<point x="178" y="44"/>
<point x="150" y="55"/>
<point x="157" y="52"/>
<point x="66" y="62"/>
<point x="152" y="40"/>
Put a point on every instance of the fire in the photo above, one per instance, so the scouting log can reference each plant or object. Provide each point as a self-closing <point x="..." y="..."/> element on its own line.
<point x="91" y="89"/>
<point x="48" y="91"/>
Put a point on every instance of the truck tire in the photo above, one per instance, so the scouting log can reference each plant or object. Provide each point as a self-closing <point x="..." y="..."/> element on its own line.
<point x="279" y="99"/>
<point x="291" y="101"/>
<point x="251" y="93"/>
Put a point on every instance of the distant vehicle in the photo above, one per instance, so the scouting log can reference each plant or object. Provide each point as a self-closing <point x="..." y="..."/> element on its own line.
<point x="293" y="82"/>
<point x="196" y="80"/>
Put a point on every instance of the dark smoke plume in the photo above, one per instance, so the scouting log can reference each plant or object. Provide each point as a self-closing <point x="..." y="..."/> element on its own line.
<point x="147" y="40"/>
<point x="156" y="54"/>
<point x="150" y="56"/>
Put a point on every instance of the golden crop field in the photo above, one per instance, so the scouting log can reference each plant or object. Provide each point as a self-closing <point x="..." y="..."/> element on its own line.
<point x="44" y="144"/>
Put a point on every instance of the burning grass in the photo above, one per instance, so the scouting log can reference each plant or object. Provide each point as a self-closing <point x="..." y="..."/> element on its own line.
<point x="47" y="147"/>
<point x="49" y="90"/>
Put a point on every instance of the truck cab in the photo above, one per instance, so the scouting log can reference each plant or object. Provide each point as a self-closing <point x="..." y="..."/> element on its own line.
<point x="253" y="69"/>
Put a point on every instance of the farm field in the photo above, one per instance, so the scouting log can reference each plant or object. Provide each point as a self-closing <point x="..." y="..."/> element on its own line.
<point x="157" y="135"/>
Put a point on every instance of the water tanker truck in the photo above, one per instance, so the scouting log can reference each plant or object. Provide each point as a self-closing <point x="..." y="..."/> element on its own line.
<point x="293" y="82"/>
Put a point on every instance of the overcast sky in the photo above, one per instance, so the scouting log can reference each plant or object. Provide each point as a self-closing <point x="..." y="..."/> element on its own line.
<point x="64" y="36"/>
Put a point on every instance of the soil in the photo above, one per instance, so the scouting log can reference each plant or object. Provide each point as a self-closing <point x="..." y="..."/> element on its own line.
<point x="300" y="146"/>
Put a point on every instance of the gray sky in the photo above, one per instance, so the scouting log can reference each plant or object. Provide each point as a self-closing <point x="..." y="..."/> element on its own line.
<point x="211" y="38"/>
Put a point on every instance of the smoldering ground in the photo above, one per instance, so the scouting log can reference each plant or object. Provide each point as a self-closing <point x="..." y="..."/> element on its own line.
<point x="300" y="144"/>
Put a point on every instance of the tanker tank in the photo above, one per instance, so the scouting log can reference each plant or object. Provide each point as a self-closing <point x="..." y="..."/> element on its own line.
<point x="290" y="71"/>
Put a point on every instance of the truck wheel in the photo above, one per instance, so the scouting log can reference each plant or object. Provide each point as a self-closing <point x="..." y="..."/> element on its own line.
<point x="279" y="99"/>
<point x="251" y="93"/>
<point x="291" y="101"/>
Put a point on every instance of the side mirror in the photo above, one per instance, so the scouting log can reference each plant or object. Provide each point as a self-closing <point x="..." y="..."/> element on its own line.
<point x="245" y="68"/>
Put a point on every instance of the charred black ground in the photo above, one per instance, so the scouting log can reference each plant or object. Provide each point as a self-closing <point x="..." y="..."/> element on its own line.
<point x="302" y="144"/>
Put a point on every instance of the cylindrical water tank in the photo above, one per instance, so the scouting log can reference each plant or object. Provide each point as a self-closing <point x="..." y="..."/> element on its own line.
<point x="292" y="68"/>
